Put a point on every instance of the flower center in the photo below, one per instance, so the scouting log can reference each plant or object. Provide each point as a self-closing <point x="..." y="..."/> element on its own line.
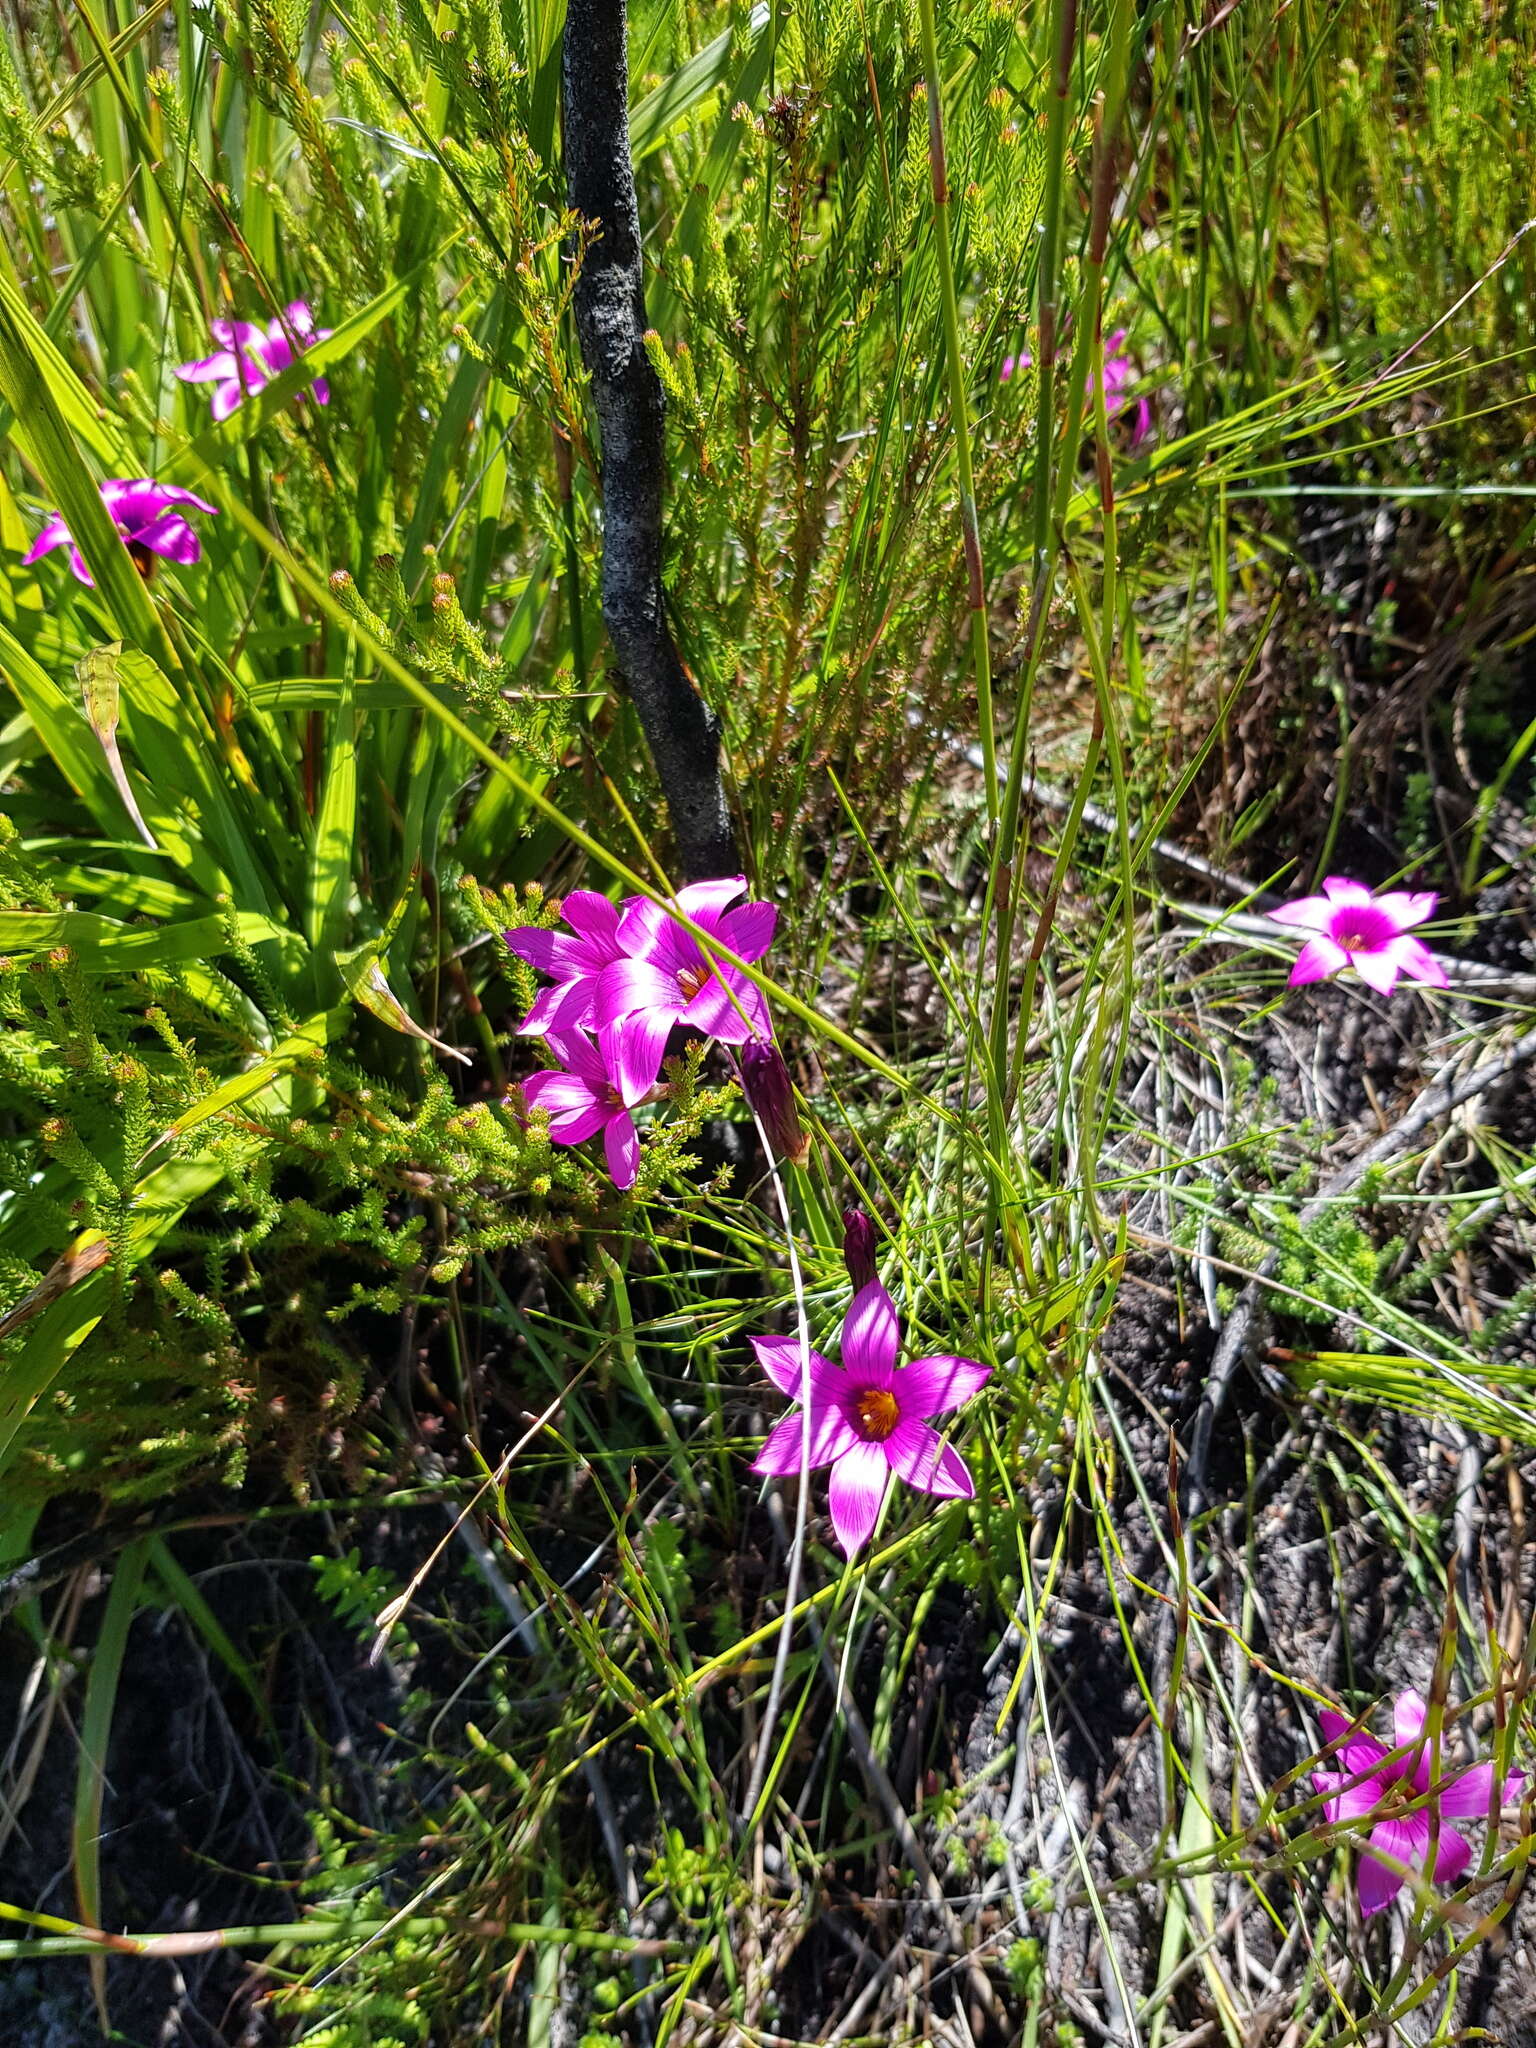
<point x="1361" y="928"/>
<point x="690" y="980"/>
<point x="143" y="559"/>
<point x="876" y="1414"/>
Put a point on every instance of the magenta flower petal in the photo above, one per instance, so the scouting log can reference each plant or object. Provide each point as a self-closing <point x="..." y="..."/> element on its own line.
<point x="1313" y="913"/>
<point x="779" y="1358"/>
<point x="748" y="932"/>
<point x="1410" y="1710"/>
<point x="54" y="533"/>
<point x="1452" y="1855"/>
<point x="704" y="901"/>
<point x="649" y="931"/>
<point x="243" y="335"/>
<point x="1347" y="1801"/>
<point x="621" y="1147"/>
<point x="871" y="1338"/>
<point x="932" y="1386"/>
<point x="170" y="536"/>
<point x="1340" y="889"/>
<point x="320" y="391"/>
<point x="625" y="986"/>
<point x="573" y="1126"/>
<point x="855" y="1492"/>
<point x="209" y="369"/>
<point x="573" y="1049"/>
<point x="1407" y="907"/>
<point x="1395" y="1847"/>
<point x="729" y="1008"/>
<point x="1378" y="970"/>
<point x="920" y="1456"/>
<point x="1317" y="959"/>
<point x="1361" y="1753"/>
<point x="135" y="501"/>
<point x="552" y="953"/>
<point x="1418" y="963"/>
<point x="228" y="398"/>
<point x="566" y="1008"/>
<point x="560" y="1094"/>
<point x="1469" y="1794"/>
<point x="832" y="1437"/>
<point x="632" y="1052"/>
<point x="592" y="916"/>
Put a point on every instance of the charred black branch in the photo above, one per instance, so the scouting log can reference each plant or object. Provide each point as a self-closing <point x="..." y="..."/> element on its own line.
<point x="681" y="731"/>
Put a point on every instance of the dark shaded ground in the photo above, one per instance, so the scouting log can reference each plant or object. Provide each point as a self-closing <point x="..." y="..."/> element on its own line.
<point x="204" y="1814"/>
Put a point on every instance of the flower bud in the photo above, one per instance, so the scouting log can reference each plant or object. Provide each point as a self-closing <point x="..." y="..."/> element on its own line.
<point x="766" y="1084"/>
<point x="859" y="1248"/>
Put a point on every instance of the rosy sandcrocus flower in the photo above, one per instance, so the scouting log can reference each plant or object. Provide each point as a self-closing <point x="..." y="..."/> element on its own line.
<point x="596" y="1088"/>
<point x="573" y="961"/>
<point x="664" y="977"/>
<point x="249" y="356"/>
<point x="869" y="1417"/>
<point x="1371" y="934"/>
<point x="1371" y="1780"/>
<point x="145" y="515"/>
<point x="1119" y="372"/>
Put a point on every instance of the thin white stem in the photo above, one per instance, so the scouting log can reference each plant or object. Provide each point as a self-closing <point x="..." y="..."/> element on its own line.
<point x="749" y="1815"/>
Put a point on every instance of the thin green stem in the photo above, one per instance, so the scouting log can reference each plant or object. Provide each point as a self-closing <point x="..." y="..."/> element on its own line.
<point x="970" y="525"/>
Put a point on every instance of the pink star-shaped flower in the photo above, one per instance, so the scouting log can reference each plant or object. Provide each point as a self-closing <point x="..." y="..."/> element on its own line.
<point x="249" y="357"/>
<point x="869" y="1417"/>
<point x="1372" y="934"/>
<point x="1373" y="1781"/>
<point x="145" y="514"/>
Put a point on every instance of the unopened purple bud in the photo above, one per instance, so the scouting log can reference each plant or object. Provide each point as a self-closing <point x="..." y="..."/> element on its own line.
<point x="859" y="1248"/>
<point x="766" y="1084"/>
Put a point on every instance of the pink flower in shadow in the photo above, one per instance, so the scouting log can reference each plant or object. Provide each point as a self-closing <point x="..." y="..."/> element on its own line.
<point x="1119" y="373"/>
<point x="869" y="1417"/>
<point x="250" y="356"/>
<point x="597" y="1087"/>
<point x="145" y="515"/>
<point x="1371" y="934"/>
<point x="1373" y="1780"/>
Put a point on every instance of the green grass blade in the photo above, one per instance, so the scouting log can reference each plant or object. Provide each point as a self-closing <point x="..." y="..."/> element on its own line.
<point x="95" y="1742"/>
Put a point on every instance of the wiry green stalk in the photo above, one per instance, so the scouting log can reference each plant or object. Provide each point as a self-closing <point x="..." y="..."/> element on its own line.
<point x="960" y="424"/>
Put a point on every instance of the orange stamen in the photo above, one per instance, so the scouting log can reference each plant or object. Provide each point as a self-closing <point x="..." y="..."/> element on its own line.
<point x="878" y="1414"/>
